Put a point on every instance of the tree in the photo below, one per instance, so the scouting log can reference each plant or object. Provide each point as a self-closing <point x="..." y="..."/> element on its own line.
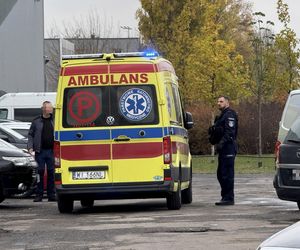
<point x="189" y="34"/>
<point x="261" y="66"/>
<point x="287" y="54"/>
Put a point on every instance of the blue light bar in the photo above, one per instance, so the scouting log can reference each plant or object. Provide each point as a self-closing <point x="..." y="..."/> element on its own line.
<point x="148" y="53"/>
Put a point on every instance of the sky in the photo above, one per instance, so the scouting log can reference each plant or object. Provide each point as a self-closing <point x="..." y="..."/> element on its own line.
<point x="120" y="13"/>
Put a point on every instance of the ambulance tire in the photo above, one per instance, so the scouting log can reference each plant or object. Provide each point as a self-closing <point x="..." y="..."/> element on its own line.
<point x="65" y="205"/>
<point x="174" y="199"/>
<point x="187" y="194"/>
<point x="87" y="203"/>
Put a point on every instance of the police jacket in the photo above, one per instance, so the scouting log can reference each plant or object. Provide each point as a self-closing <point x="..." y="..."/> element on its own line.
<point x="227" y="123"/>
<point x="35" y="134"/>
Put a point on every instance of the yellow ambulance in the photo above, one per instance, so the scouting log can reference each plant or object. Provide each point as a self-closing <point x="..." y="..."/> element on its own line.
<point x="120" y="131"/>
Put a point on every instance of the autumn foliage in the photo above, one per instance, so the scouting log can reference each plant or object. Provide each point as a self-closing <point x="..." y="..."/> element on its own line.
<point x="216" y="49"/>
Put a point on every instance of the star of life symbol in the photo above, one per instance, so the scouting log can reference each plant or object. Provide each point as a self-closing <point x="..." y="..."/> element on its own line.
<point x="135" y="104"/>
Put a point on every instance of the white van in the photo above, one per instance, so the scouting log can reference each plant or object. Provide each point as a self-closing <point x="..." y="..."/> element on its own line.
<point x="290" y="113"/>
<point x="24" y="106"/>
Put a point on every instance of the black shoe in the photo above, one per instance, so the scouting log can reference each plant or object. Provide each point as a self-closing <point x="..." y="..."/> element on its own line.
<point x="224" y="203"/>
<point x="38" y="199"/>
<point x="52" y="199"/>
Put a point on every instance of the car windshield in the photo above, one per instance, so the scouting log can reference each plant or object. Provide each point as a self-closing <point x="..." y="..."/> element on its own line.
<point x="5" y="144"/>
<point x="11" y="132"/>
<point x="294" y="132"/>
<point x="22" y="131"/>
<point x="293" y="111"/>
<point x="18" y="130"/>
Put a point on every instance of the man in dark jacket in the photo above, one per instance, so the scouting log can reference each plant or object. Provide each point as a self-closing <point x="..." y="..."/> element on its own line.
<point x="40" y="143"/>
<point x="225" y="129"/>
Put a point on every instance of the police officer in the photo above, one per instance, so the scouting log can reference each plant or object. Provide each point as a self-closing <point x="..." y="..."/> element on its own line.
<point x="226" y="125"/>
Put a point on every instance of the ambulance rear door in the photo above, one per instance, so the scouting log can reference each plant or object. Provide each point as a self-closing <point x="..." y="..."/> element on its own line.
<point x="137" y="134"/>
<point x="85" y="138"/>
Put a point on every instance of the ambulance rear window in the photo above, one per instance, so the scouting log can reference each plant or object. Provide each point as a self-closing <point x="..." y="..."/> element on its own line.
<point x="110" y="106"/>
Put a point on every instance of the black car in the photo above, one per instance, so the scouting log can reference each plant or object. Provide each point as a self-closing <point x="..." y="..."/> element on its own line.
<point x="287" y="177"/>
<point x="17" y="172"/>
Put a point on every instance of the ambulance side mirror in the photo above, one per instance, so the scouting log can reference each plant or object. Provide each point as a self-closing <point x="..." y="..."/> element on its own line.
<point x="188" y="120"/>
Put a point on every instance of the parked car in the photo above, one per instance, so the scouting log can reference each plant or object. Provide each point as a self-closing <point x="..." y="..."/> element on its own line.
<point x="7" y="120"/>
<point x="15" y="133"/>
<point x="287" y="177"/>
<point x="286" y="239"/>
<point x="18" y="173"/>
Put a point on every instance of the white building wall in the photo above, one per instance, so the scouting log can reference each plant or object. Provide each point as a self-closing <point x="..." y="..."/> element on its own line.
<point x="21" y="45"/>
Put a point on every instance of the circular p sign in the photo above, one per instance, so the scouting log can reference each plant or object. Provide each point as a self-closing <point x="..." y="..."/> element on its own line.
<point x="84" y="107"/>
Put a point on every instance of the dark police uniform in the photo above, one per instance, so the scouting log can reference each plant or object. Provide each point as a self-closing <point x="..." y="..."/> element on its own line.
<point x="227" y="126"/>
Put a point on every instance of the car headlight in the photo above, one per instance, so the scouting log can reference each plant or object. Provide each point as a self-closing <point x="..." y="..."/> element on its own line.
<point x="21" y="161"/>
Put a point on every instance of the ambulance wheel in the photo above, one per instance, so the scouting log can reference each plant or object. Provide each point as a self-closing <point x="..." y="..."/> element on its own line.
<point x="174" y="199"/>
<point x="65" y="205"/>
<point x="87" y="203"/>
<point x="187" y="194"/>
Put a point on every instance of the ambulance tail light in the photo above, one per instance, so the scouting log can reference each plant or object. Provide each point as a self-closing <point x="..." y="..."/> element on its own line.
<point x="56" y="150"/>
<point x="167" y="147"/>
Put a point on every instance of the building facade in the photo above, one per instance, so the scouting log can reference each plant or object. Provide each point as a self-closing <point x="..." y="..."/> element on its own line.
<point x="21" y="45"/>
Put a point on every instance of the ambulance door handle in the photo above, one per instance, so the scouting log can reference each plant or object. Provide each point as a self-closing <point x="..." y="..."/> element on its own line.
<point x="79" y="135"/>
<point x="122" y="138"/>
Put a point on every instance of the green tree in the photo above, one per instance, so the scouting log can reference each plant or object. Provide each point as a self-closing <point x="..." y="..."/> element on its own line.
<point x="287" y="54"/>
<point x="189" y="33"/>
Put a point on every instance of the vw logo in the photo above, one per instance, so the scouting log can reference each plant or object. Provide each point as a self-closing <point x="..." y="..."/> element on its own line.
<point x="110" y="120"/>
<point x="298" y="154"/>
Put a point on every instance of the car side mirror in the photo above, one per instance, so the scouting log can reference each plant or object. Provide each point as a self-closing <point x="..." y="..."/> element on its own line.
<point x="188" y="121"/>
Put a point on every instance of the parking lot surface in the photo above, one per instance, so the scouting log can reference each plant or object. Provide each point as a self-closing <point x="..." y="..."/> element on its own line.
<point x="147" y="224"/>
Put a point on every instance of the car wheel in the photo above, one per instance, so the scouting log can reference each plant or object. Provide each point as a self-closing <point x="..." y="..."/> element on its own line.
<point x="174" y="199"/>
<point x="87" y="203"/>
<point x="65" y="205"/>
<point x="298" y="203"/>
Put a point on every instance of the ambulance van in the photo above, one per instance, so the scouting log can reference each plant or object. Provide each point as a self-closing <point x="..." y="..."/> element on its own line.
<point x="120" y="131"/>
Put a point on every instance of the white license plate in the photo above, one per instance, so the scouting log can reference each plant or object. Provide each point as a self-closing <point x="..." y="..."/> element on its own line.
<point x="88" y="175"/>
<point x="296" y="174"/>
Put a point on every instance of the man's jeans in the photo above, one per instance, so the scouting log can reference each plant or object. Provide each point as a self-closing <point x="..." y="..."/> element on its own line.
<point x="45" y="157"/>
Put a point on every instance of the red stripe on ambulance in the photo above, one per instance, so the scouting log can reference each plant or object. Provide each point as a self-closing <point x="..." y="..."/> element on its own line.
<point x="137" y="150"/>
<point x="85" y="152"/>
<point x="86" y="70"/>
<point x="117" y="68"/>
<point x="132" y="68"/>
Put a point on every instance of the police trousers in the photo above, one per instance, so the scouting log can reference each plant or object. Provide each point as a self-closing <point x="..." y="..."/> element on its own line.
<point x="225" y="175"/>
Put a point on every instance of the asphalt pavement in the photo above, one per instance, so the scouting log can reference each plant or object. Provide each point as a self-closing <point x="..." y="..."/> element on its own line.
<point x="148" y="224"/>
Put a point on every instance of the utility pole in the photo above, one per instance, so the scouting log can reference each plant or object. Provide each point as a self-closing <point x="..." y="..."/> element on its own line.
<point x="127" y="28"/>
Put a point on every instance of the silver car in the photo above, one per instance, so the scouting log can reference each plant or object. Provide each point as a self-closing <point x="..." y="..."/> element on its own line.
<point x="286" y="239"/>
<point x="15" y="133"/>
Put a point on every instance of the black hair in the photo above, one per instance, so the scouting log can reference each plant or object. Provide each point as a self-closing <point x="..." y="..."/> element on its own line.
<point x="225" y="97"/>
